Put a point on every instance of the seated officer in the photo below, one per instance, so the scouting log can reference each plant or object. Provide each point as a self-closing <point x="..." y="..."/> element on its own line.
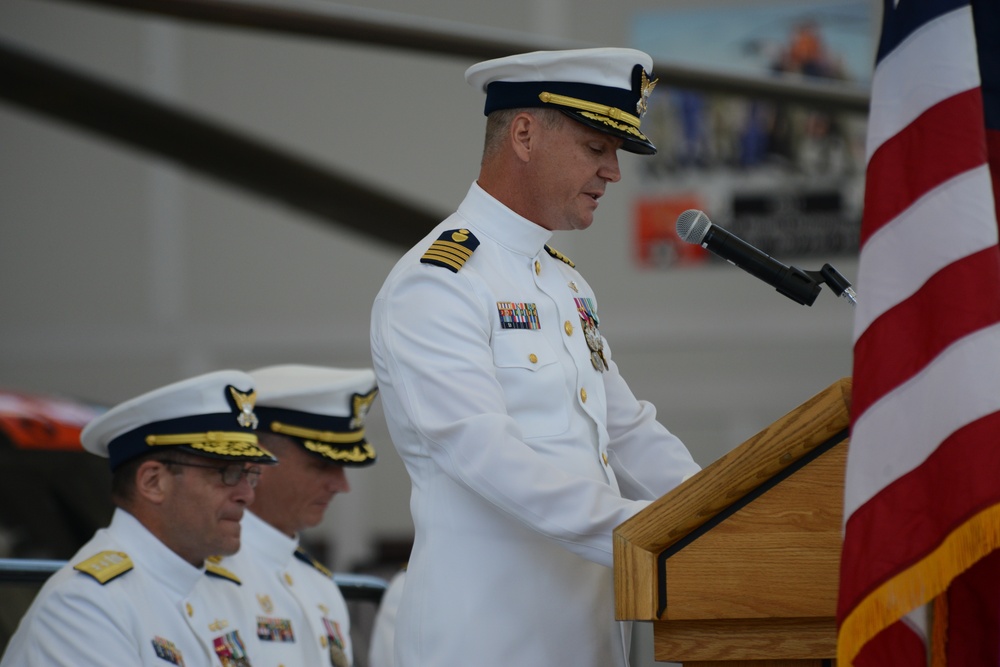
<point x="311" y="418"/>
<point x="184" y="461"/>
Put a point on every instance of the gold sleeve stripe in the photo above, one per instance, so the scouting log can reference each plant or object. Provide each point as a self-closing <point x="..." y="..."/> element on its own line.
<point x="450" y="247"/>
<point x="452" y="255"/>
<point x="584" y="105"/>
<point x="455" y="264"/>
<point x="451" y="250"/>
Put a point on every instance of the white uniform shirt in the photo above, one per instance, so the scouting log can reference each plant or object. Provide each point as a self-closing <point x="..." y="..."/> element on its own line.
<point x="299" y="612"/>
<point x="380" y="652"/>
<point x="162" y="611"/>
<point x="523" y="457"/>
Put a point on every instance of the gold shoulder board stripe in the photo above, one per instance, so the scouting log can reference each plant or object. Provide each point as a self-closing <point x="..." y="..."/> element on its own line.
<point x="558" y="255"/>
<point x="106" y="565"/>
<point x="451" y="250"/>
<point x="215" y="570"/>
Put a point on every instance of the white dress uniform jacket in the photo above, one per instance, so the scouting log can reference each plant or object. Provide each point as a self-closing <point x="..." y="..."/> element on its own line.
<point x="523" y="456"/>
<point x="161" y="611"/>
<point x="300" y="614"/>
<point x="380" y="652"/>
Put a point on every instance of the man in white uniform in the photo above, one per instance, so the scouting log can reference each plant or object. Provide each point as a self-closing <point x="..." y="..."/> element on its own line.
<point x="313" y="419"/>
<point x="185" y="460"/>
<point x="524" y="445"/>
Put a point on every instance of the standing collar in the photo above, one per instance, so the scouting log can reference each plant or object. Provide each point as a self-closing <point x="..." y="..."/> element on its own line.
<point x="495" y="220"/>
<point x="263" y="541"/>
<point x="152" y="556"/>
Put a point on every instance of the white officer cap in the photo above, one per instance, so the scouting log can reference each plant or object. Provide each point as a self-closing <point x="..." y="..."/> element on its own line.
<point x="605" y="88"/>
<point x="322" y="409"/>
<point x="210" y="415"/>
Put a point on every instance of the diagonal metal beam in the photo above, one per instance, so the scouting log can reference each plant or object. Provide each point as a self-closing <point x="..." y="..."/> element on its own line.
<point x="401" y="31"/>
<point x="206" y="147"/>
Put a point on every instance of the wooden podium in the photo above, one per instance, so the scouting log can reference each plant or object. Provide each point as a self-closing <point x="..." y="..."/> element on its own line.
<point x="738" y="566"/>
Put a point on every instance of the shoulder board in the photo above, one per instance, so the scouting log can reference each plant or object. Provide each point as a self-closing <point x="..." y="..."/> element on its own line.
<point x="303" y="556"/>
<point x="216" y="570"/>
<point x="106" y="565"/>
<point x="558" y="255"/>
<point x="451" y="250"/>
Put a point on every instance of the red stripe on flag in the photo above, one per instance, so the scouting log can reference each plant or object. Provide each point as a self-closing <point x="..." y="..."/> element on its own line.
<point x="907" y="337"/>
<point x="944" y="141"/>
<point x="896" y="646"/>
<point x="993" y="146"/>
<point x="909" y="518"/>
<point x="974" y="615"/>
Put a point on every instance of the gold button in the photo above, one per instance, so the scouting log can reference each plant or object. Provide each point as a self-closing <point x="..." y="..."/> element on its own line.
<point x="604" y="455"/>
<point x="322" y="641"/>
<point x="288" y="578"/>
<point x="538" y="268"/>
<point x="190" y="609"/>
<point x="583" y="395"/>
<point x="533" y="358"/>
<point x="568" y="327"/>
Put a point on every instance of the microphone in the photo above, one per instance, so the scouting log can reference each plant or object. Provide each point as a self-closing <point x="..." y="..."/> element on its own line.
<point x="693" y="226"/>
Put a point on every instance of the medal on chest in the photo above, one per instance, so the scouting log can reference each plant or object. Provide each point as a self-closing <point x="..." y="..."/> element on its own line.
<point x="335" y="643"/>
<point x="167" y="650"/>
<point x="230" y="650"/>
<point x="588" y="318"/>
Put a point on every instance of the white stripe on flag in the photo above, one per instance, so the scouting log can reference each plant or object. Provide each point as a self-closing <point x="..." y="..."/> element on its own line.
<point x="938" y="53"/>
<point x="923" y="240"/>
<point x="910" y="422"/>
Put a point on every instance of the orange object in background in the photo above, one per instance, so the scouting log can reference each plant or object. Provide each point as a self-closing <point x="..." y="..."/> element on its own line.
<point x="656" y="240"/>
<point x="36" y="421"/>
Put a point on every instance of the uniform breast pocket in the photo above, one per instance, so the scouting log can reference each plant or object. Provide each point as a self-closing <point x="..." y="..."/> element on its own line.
<point x="533" y="382"/>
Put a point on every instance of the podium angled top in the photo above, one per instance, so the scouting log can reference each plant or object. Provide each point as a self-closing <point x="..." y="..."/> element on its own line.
<point x="787" y="444"/>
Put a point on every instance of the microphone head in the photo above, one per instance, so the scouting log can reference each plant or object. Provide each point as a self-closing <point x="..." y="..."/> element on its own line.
<point x="693" y="225"/>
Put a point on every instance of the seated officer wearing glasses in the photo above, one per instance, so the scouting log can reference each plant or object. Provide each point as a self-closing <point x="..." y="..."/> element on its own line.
<point x="313" y="419"/>
<point x="185" y="461"/>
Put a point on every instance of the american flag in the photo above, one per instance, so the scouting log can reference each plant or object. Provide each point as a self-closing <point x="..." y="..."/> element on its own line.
<point x="920" y="567"/>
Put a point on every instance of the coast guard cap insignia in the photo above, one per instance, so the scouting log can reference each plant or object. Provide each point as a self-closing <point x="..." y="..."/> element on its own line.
<point x="451" y="250"/>
<point x="246" y="419"/>
<point x="646" y="89"/>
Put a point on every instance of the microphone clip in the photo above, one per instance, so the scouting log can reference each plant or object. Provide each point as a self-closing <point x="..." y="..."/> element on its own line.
<point x="835" y="281"/>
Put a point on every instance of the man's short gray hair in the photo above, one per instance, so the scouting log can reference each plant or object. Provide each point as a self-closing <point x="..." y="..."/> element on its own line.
<point x="499" y="121"/>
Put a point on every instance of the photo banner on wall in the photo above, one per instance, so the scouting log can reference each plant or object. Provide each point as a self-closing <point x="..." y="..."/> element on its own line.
<point x="785" y="178"/>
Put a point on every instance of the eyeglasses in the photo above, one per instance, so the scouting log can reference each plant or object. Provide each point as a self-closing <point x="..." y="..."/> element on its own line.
<point x="231" y="474"/>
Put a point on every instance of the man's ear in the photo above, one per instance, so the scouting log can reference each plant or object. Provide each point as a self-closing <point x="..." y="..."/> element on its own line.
<point x="523" y="134"/>
<point x="153" y="480"/>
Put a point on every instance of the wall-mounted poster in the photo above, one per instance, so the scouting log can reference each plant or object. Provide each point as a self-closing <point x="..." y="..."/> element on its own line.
<point x="785" y="178"/>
